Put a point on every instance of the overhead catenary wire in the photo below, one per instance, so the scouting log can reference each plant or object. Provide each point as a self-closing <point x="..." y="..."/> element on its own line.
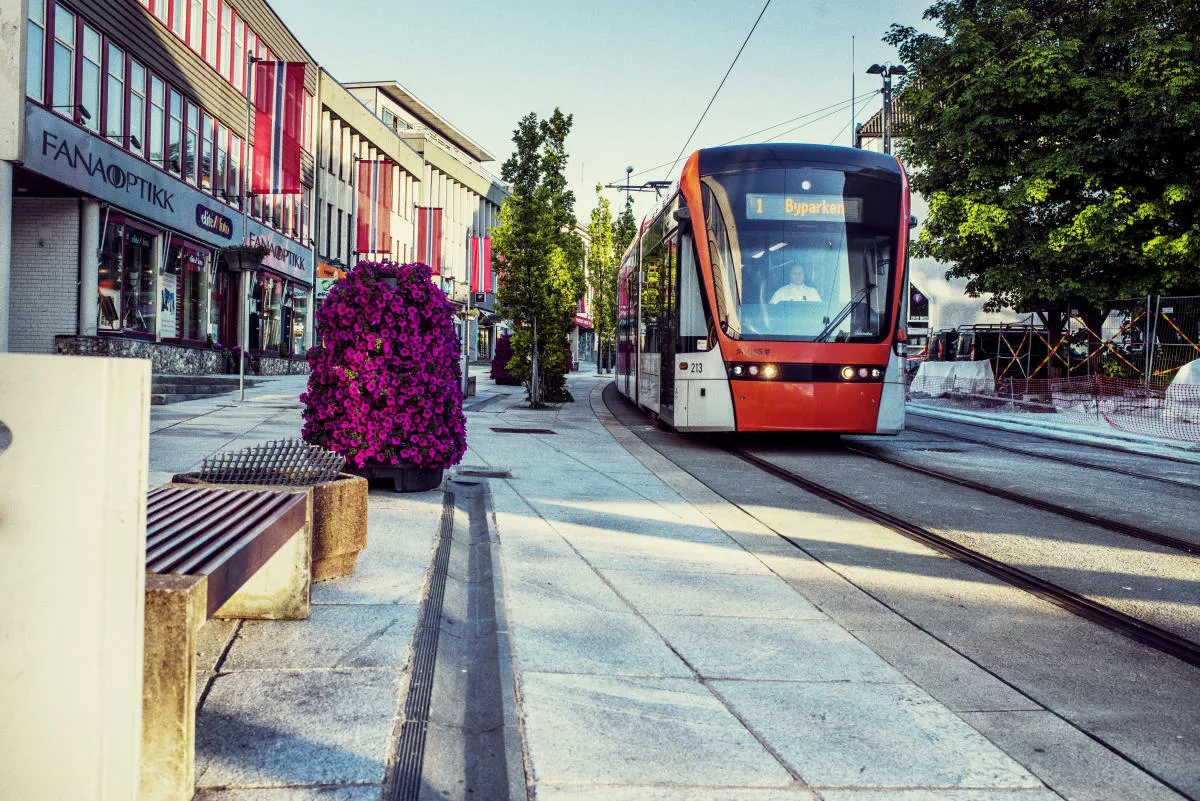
<point x="837" y="107"/>
<point x="722" y="83"/>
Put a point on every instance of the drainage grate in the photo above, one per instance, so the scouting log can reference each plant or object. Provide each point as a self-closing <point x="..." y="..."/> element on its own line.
<point x="288" y="462"/>
<point x="479" y="473"/>
<point x="523" y="431"/>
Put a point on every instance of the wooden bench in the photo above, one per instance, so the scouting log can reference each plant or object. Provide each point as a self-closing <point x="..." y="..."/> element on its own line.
<point x="210" y="553"/>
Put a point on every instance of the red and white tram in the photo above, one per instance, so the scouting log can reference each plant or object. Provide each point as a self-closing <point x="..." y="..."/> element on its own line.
<point x="768" y="293"/>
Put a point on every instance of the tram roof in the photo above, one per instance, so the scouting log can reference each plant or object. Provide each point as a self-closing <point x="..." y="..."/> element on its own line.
<point x="730" y="157"/>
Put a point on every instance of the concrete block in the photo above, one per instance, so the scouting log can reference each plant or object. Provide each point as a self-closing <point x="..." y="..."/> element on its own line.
<point x="339" y="513"/>
<point x="175" y="610"/>
<point x="281" y="589"/>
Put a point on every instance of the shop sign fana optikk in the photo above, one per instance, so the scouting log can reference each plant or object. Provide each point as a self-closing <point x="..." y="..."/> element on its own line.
<point x="285" y="256"/>
<point x="57" y="149"/>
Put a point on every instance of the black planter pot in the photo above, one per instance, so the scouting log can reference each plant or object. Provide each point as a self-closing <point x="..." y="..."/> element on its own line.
<point x="400" y="477"/>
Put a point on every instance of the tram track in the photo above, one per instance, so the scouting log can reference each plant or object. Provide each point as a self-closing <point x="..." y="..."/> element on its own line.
<point x="1141" y="631"/>
<point x="1137" y="532"/>
<point x="1059" y="459"/>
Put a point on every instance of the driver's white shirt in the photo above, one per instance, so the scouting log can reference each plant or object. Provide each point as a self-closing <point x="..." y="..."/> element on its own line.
<point x="789" y="292"/>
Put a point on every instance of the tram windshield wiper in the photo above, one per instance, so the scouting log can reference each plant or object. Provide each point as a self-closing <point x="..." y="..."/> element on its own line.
<point x="832" y="325"/>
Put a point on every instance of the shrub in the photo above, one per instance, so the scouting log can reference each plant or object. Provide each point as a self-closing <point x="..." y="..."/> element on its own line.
<point x="504" y="354"/>
<point x="384" y="383"/>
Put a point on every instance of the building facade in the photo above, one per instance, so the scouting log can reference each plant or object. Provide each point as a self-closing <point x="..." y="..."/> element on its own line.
<point x="128" y="185"/>
<point x="126" y="224"/>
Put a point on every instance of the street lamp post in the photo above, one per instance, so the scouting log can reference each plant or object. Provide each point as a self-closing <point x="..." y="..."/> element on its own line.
<point x="887" y="71"/>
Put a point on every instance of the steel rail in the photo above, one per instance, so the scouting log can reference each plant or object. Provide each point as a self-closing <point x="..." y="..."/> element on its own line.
<point x="1062" y="459"/>
<point x="1146" y="633"/>
<point x="1128" y="529"/>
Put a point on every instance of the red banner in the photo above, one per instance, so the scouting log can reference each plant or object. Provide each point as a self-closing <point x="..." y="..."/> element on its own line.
<point x="278" y="127"/>
<point x="481" y="264"/>
<point x="429" y="238"/>
<point x="374" y="207"/>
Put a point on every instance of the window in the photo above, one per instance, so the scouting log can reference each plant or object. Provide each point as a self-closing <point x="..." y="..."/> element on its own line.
<point x="299" y="316"/>
<point x="234" y="190"/>
<point x="328" y="228"/>
<point x="63" y="96"/>
<point x="338" y="255"/>
<point x="114" y="112"/>
<point x="126" y="279"/>
<point x="137" y="108"/>
<point x="221" y="174"/>
<point x="251" y="50"/>
<point x="239" y="55"/>
<point x="191" y="144"/>
<point x="157" y="120"/>
<point x="159" y="7"/>
<point x="35" y="53"/>
<point x="226" y="42"/>
<point x="306" y="134"/>
<point x="210" y="32"/>
<point x="195" y="24"/>
<point x="206" y="152"/>
<point x="89" y="80"/>
<point x="175" y="135"/>
<point x="179" y="9"/>
<point x="187" y="268"/>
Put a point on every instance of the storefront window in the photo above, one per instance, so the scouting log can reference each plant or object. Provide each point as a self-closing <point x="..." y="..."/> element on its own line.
<point x="187" y="268"/>
<point x="300" y="297"/>
<point x="271" y="293"/>
<point x="126" y="280"/>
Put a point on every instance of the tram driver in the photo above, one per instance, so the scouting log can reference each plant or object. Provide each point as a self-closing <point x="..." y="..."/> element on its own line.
<point x="796" y="289"/>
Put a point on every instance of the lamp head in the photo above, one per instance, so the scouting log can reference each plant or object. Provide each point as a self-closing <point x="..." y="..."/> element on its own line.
<point x="897" y="70"/>
<point x="874" y="69"/>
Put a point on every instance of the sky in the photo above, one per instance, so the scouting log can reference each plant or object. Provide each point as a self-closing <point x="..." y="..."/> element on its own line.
<point x="636" y="76"/>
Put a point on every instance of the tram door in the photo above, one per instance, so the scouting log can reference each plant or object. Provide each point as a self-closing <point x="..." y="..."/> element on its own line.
<point x="668" y="325"/>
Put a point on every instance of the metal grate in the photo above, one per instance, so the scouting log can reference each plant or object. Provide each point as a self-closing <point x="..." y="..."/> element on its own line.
<point x="523" y="431"/>
<point x="285" y="462"/>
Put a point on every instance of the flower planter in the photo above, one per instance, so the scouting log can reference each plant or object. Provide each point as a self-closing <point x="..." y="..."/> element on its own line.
<point x="403" y="478"/>
<point x="337" y="513"/>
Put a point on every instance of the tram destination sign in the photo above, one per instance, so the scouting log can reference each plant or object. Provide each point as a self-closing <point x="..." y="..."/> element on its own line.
<point x="807" y="208"/>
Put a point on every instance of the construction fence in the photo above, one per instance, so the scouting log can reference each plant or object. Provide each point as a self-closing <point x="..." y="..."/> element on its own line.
<point x="1137" y="371"/>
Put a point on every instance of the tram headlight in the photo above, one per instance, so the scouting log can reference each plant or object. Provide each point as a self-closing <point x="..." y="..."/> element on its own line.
<point x="754" y="369"/>
<point x="876" y="372"/>
<point x="863" y="372"/>
<point x="848" y="373"/>
<point x="738" y="369"/>
<point x="770" y="371"/>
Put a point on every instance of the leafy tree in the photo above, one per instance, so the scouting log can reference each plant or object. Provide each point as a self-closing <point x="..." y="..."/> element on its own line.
<point x="625" y="229"/>
<point x="602" y="274"/>
<point x="1057" y="143"/>
<point x="538" y="256"/>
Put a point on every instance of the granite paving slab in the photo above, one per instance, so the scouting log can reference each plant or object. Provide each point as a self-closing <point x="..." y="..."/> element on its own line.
<point x="711" y="594"/>
<point x="585" y="730"/>
<point x="341" y="636"/>
<point x="871" y="735"/>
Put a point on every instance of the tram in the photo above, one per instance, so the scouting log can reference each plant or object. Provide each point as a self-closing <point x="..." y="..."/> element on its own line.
<point x="768" y="292"/>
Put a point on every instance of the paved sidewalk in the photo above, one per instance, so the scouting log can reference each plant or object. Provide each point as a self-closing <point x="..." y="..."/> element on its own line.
<point x="665" y="645"/>
<point x="665" y="648"/>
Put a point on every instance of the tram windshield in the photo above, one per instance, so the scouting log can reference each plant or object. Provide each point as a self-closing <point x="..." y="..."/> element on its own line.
<point x="802" y="254"/>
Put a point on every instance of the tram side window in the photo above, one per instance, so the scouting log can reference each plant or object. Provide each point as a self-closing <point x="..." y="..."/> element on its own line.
<point x="652" y="296"/>
<point x="693" y="319"/>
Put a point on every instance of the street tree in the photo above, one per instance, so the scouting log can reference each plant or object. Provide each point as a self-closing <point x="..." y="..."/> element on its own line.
<point x="1058" y="144"/>
<point x="625" y="228"/>
<point x="602" y="275"/>
<point x="538" y="257"/>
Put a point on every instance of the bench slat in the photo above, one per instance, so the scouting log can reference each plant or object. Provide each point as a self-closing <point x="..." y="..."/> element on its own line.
<point x="223" y="534"/>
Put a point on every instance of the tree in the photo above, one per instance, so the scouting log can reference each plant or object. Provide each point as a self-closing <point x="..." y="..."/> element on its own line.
<point x="538" y="256"/>
<point x="625" y="229"/>
<point x="1057" y="144"/>
<point x="602" y="274"/>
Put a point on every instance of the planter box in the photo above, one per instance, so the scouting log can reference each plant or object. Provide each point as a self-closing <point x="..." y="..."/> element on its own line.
<point x="403" y="478"/>
<point x="338" y="514"/>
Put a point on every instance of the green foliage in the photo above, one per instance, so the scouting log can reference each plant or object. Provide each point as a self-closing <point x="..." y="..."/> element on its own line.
<point x="1057" y="144"/>
<point x="538" y="256"/>
<point x="624" y="230"/>
<point x="602" y="270"/>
